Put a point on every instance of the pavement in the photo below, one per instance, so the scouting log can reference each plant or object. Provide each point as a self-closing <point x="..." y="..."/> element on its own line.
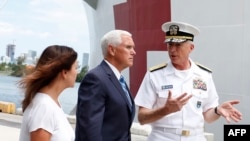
<point x="10" y="127"/>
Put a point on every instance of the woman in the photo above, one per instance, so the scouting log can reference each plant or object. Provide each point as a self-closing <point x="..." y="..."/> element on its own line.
<point x="43" y="117"/>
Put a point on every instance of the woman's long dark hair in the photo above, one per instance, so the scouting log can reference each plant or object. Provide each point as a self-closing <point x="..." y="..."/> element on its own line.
<point x="53" y="60"/>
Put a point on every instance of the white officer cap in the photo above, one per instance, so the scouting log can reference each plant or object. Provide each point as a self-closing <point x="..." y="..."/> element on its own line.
<point x="179" y="31"/>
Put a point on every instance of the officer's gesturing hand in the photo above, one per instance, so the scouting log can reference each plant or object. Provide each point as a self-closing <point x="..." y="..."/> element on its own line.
<point x="175" y="104"/>
<point x="172" y="105"/>
<point x="227" y="110"/>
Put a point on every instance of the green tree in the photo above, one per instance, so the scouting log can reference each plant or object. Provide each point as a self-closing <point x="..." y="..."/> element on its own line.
<point x="3" y="66"/>
<point x="18" y="69"/>
<point x="82" y="73"/>
<point x="20" y="60"/>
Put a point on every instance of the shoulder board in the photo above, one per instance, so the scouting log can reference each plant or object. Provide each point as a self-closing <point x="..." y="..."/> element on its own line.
<point x="203" y="67"/>
<point x="157" y="67"/>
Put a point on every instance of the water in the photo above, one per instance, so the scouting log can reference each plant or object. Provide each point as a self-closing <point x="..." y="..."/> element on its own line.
<point x="9" y="92"/>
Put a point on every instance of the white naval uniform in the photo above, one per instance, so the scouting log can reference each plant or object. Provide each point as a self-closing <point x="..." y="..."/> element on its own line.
<point x="153" y="93"/>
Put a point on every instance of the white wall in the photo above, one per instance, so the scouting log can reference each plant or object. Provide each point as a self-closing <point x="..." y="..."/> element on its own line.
<point x="223" y="46"/>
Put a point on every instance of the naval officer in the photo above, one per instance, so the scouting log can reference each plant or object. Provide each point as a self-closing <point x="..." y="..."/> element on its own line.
<point x="177" y="97"/>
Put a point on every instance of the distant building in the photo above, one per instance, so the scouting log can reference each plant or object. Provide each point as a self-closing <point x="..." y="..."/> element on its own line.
<point x="5" y="59"/>
<point x="10" y="52"/>
<point x="31" y="57"/>
<point x="85" y="59"/>
<point x="32" y="54"/>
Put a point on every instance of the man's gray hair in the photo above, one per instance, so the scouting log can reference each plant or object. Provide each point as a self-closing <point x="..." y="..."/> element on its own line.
<point x="112" y="38"/>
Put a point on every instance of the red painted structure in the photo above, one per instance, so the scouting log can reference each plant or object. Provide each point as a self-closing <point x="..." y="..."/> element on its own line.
<point x="143" y="18"/>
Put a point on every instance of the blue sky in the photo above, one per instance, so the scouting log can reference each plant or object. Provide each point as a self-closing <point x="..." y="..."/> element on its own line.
<point x="36" y="24"/>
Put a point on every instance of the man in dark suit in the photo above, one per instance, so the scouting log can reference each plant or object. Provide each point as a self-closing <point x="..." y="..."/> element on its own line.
<point x="104" y="111"/>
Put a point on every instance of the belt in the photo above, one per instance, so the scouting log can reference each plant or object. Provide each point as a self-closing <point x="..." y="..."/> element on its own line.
<point x="179" y="131"/>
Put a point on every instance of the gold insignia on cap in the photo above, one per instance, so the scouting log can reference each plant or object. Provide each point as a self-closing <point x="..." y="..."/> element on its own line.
<point x="173" y="29"/>
<point x="179" y="32"/>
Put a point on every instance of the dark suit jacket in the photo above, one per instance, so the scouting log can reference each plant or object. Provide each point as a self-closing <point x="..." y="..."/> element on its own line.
<point x="103" y="112"/>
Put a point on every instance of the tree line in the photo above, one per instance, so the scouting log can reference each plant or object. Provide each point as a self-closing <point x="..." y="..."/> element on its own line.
<point x="19" y="69"/>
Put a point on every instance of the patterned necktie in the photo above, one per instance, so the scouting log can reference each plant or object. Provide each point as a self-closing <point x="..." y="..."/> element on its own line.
<point x="123" y="83"/>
